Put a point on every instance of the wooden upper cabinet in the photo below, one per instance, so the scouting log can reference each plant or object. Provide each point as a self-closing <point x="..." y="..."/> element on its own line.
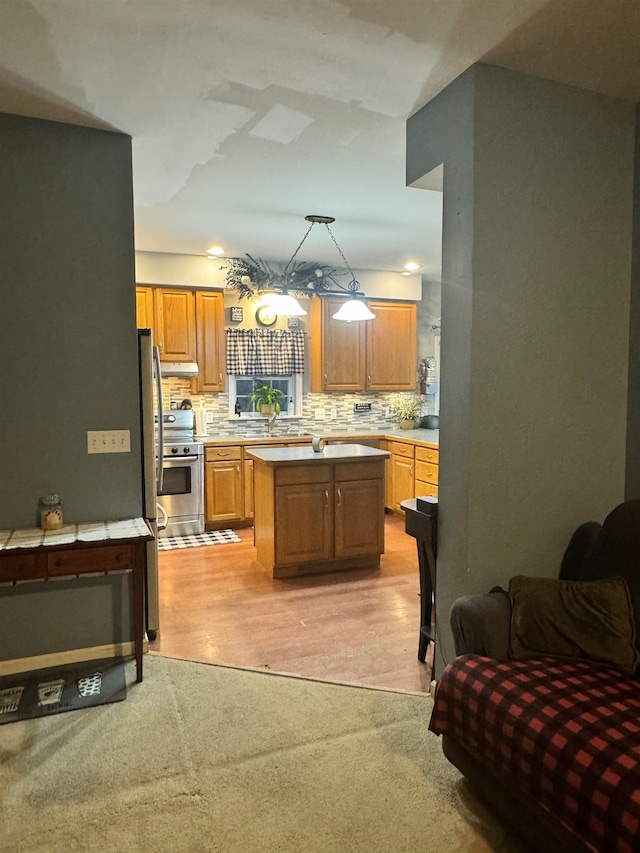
<point x="391" y="347"/>
<point x="144" y="308"/>
<point x="337" y="349"/>
<point x="210" y="338"/>
<point x="175" y="324"/>
<point x="374" y="355"/>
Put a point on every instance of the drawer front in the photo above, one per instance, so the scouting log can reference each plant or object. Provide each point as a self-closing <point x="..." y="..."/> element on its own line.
<point x="400" y="449"/>
<point x="21" y="567"/>
<point x="222" y="454"/>
<point x="302" y="474"/>
<point x="427" y="454"/>
<point x="429" y="490"/>
<point x="427" y="472"/>
<point x="88" y="560"/>
<point x="359" y="471"/>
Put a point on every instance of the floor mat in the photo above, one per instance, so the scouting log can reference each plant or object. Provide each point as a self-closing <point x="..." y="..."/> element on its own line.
<point x="61" y="688"/>
<point x="212" y="537"/>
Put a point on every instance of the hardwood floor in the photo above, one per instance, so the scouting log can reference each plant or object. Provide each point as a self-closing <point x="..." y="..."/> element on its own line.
<point x="218" y="605"/>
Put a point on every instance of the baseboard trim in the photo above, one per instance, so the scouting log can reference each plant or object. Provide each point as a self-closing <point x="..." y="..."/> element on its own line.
<point x="109" y="650"/>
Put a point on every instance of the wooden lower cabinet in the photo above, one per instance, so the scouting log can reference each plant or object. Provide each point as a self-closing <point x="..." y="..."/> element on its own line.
<point x="229" y="485"/>
<point x="304" y="523"/>
<point x="410" y="472"/>
<point x="402" y="478"/>
<point x="427" y="469"/>
<point x="224" y="497"/>
<point x="248" y="487"/>
<point x="359" y="517"/>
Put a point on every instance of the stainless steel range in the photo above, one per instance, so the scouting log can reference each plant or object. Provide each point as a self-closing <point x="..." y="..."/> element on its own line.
<point x="181" y="492"/>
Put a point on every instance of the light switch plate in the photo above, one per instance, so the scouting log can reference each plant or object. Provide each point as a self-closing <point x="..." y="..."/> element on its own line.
<point x="109" y="441"/>
<point x="209" y="417"/>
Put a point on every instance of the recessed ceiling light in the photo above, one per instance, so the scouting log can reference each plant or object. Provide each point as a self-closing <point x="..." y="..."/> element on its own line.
<point x="412" y="266"/>
<point x="215" y="251"/>
<point x="405" y="273"/>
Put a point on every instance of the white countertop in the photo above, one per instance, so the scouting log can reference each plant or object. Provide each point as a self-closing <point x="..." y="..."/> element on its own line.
<point x="427" y="436"/>
<point x="305" y="453"/>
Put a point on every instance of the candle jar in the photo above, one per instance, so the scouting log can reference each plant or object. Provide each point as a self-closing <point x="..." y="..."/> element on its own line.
<point x="51" y="516"/>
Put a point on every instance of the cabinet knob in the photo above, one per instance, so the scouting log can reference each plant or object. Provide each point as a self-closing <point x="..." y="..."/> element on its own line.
<point x="221" y="379"/>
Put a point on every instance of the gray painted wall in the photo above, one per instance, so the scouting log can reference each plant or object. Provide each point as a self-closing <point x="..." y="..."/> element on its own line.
<point x="68" y="351"/>
<point x="633" y="409"/>
<point x="538" y="188"/>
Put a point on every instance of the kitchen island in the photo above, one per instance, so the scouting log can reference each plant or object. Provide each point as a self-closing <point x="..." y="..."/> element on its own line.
<point x="318" y="512"/>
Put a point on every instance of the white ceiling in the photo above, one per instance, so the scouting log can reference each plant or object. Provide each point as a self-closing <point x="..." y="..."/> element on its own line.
<point x="248" y="114"/>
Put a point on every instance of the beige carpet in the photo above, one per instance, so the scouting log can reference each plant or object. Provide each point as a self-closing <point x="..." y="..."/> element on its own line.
<point x="210" y="758"/>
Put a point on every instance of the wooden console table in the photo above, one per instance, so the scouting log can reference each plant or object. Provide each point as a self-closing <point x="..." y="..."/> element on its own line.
<point x="82" y="549"/>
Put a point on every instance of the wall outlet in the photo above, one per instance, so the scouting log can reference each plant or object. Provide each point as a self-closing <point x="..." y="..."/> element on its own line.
<point x="209" y="417"/>
<point x="334" y="414"/>
<point x="108" y="441"/>
<point x="319" y="414"/>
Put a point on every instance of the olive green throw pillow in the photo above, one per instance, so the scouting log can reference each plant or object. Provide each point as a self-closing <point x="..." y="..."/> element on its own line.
<point x="592" y="620"/>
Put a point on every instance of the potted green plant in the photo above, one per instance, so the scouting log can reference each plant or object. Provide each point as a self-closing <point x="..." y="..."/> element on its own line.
<point x="407" y="408"/>
<point x="267" y="398"/>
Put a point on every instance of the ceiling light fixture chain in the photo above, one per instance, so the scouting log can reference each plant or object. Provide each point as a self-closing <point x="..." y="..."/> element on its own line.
<point x="293" y="257"/>
<point x="353" y="284"/>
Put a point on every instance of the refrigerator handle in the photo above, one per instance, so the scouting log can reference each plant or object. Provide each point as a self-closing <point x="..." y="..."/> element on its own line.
<point x="160" y="469"/>
<point x="165" y="517"/>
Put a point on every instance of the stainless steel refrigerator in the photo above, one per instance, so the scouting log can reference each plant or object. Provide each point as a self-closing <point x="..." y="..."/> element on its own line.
<point x="150" y="406"/>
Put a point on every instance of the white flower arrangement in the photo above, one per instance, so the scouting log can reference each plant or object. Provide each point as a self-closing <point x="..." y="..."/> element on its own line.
<point x="406" y="407"/>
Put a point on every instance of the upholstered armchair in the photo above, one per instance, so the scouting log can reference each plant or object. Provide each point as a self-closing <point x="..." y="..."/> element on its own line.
<point x="580" y="620"/>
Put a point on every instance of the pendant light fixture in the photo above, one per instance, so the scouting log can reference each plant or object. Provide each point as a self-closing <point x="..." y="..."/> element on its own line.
<point x="353" y="310"/>
<point x="253" y="276"/>
<point x="284" y="304"/>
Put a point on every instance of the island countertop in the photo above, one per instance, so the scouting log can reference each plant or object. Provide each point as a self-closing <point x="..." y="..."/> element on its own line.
<point x="304" y="453"/>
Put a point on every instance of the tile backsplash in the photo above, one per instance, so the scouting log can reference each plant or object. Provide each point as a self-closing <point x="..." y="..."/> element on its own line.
<point x="175" y="389"/>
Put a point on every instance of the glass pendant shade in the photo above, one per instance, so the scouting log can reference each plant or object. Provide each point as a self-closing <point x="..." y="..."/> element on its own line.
<point x="285" y="305"/>
<point x="353" y="310"/>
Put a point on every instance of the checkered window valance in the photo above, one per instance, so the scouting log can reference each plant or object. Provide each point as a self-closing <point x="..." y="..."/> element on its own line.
<point x="267" y="352"/>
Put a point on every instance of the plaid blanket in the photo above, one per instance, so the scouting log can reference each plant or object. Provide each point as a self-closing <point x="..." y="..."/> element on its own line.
<point x="565" y="733"/>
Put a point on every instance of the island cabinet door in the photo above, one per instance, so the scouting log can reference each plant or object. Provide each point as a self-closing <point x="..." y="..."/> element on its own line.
<point x="359" y="518"/>
<point x="304" y="523"/>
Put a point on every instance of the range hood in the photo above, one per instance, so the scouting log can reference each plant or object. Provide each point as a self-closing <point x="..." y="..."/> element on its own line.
<point x="178" y="368"/>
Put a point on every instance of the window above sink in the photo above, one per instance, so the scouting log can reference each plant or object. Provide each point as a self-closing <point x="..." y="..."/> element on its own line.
<point x="241" y="388"/>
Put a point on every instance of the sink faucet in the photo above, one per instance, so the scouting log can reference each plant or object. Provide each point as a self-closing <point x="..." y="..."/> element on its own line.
<point x="270" y="421"/>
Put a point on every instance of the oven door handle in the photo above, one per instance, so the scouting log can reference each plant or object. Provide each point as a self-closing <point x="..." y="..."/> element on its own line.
<point x="169" y="459"/>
